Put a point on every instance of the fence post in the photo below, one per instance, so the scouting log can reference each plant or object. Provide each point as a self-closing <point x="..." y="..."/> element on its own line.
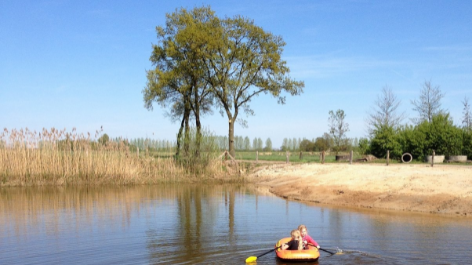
<point x="322" y="157"/>
<point x="350" y="158"/>
<point x="432" y="159"/>
<point x="301" y="155"/>
<point x="286" y="156"/>
<point x="388" y="156"/>
<point x="226" y="155"/>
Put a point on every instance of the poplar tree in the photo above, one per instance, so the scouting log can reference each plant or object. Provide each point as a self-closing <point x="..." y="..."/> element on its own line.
<point x="247" y="144"/>
<point x="268" y="145"/>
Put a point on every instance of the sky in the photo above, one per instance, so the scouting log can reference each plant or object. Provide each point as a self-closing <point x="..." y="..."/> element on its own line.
<point x="82" y="64"/>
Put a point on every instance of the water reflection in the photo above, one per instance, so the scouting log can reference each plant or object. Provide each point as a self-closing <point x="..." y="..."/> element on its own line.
<point x="202" y="224"/>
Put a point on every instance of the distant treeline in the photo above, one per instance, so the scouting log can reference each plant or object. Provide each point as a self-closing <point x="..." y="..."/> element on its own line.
<point x="244" y="143"/>
<point x="323" y="143"/>
<point x="147" y="143"/>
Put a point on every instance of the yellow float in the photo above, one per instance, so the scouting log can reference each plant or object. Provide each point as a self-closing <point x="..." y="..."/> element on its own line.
<point x="311" y="253"/>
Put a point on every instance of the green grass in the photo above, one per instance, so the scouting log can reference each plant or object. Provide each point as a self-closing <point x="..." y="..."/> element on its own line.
<point x="279" y="156"/>
<point x="307" y="157"/>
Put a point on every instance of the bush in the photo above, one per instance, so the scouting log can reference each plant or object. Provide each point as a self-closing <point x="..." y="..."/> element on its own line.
<point x="385" y="138"/>
<point x="467" y="144"/>
<point x="439" y="135"/>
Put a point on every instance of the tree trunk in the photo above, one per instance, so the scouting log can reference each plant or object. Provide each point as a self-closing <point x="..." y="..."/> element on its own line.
<point x="186" y="118"/>
<point x="187" y="133"/>
<point x="198" y="136"/>
<point x="196" y="111"/>
<point x="179" y="136"/>
<point x="232" y="152"/>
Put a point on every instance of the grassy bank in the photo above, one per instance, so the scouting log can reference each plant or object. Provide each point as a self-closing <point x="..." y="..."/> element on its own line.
<point x="58" y="157"/>
<point x="53" y="157"/>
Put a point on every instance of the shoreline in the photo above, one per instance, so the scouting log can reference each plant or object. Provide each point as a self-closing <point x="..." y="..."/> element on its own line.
<point x="442" y="189"/>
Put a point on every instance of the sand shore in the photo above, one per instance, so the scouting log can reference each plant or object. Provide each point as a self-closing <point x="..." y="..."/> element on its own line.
<point x="442" y="189"/>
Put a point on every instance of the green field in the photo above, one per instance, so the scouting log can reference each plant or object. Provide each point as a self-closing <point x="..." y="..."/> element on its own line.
<point x="294" y="157"/>
<point x="279" y="156"/>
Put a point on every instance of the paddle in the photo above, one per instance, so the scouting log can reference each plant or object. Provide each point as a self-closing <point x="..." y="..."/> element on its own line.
<point x="332" y="253"/>
<point x="253" y="258"/>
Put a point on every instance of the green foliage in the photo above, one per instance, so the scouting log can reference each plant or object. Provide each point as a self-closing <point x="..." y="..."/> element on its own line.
<point x="338" y="128"/>
<point x="268" y="145"/>
<point x="178" y="78"/>
<point x="290" y="144"/>
<point x="247" y="143"/>
<point x="257" y="144"/>
<point x="413" y="141"/>
<point x="104" y="139"/>
<point x="294" y="157"/>
<point x="439" y="135"/>
<point x="364" y="146"/>
<point x="307" y="145"/>
<point x="442" y="136"/>
<point x="385" y="138"/>
<point x="455" y="141"/>
<point x="245" y="61"/>
<point x="321" y="144"/>
<point x="467" y="144"/>
<point x="203" y="62"/>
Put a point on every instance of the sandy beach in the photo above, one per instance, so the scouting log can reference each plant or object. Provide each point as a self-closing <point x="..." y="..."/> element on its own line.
<point x="442" y="189"/>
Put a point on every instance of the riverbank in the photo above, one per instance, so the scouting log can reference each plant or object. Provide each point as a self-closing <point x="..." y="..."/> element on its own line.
<point x="442" y="189"/>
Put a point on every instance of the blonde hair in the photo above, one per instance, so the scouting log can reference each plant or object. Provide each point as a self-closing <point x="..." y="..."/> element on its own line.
<point x="300" y="227"/>
<point x="296" y="236"/>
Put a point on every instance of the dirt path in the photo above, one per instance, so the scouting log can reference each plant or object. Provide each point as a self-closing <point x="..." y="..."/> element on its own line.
<point x="443" y="189"/>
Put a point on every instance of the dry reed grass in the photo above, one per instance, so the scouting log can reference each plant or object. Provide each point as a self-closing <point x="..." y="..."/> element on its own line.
<point x="58" y="157"/>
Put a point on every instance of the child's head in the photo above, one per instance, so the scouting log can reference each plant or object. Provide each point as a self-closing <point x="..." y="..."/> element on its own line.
<point x="295" y="234"/>
<point x="303" y="230"/>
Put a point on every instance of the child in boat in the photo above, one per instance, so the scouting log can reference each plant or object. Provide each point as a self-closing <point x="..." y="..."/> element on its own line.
<point x="306" y="239"/>
<point x="295" y="243"/>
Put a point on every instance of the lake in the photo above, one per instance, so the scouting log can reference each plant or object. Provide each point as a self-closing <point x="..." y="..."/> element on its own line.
<point x="210" y="224"/>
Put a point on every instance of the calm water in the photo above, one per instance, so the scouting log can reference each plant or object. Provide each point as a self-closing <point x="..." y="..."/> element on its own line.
<point x="196" y="224"/>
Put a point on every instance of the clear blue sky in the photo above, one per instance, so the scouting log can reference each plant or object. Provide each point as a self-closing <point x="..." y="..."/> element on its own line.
<point x="82" y="64"/>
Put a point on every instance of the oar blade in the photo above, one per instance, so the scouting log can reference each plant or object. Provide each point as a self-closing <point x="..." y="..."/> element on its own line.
<point x="332" y="253"/>
<point x="251" y="259"/>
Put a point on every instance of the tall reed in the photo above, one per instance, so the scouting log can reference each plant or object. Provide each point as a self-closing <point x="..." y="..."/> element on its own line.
<point x="58" y="157"/>
<point x="199" y="152"/>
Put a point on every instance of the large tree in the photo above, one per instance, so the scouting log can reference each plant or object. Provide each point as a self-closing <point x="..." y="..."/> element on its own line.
<point x="246" y="62"/>
<point x="429" y="103"/>
<point x="177" y="80"/>
<point x="384" y="114"/>
<point x="200" y="56"/>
